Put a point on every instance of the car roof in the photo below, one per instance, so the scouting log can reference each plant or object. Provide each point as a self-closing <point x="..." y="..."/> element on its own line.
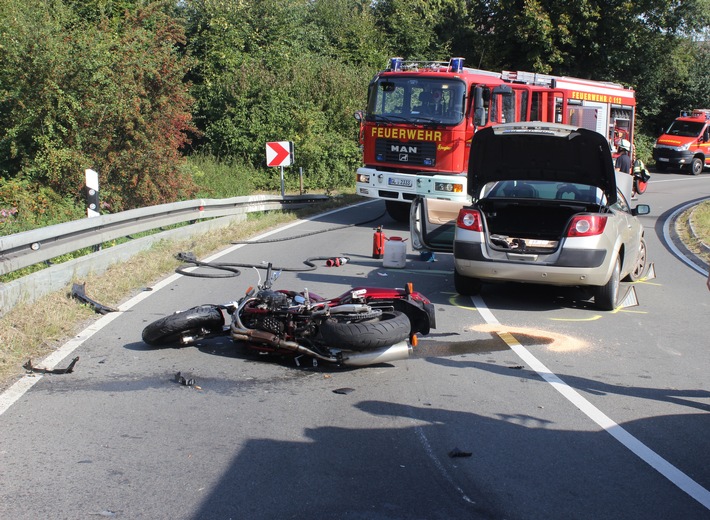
<point x="537" y="151"/>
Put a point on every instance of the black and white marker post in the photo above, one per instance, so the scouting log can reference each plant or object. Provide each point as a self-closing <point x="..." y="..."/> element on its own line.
<point x="92" y="193"/>
<point x="92" y="197"/>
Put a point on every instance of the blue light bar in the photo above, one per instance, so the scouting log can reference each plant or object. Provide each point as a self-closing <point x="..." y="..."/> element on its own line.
<point x="396" y="64"/>
<point x="456" y="64"/>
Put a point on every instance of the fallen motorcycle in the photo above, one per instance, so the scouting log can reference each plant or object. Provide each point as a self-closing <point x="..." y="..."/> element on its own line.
<point x="363" y="326"/>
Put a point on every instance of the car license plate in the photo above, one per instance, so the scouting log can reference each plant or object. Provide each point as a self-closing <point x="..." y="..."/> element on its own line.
<point x="400" y="182"/>
<point x="663" y="159"/>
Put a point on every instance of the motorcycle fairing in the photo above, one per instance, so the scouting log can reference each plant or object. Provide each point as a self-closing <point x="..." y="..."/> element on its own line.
<point x="421" y="315"/>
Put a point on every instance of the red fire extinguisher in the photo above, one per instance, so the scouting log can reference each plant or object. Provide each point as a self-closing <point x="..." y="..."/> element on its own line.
<point x="378" y="243"/>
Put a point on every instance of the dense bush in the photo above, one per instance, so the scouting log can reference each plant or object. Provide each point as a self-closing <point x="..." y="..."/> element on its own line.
<point x="106" y="96"/>
<point x="26" y="205"/>
<point x="170" y="100"/>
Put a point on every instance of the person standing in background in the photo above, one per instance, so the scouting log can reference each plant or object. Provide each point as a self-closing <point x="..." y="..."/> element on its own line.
<point x="623" y="162"/>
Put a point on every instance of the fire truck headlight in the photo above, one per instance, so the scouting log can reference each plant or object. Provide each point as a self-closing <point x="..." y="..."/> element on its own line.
<point x="685" y="147"/>
<point x="363" y="178"/>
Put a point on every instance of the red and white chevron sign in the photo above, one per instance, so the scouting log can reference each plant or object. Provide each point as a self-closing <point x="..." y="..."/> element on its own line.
<point x="279" y="153"/>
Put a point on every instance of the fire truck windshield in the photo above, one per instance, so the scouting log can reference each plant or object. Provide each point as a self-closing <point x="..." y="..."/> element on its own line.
<point x="411" y="99"/>
<point x="685" y="128"/>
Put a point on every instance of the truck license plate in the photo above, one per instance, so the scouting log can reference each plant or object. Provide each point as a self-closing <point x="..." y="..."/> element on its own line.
<point x="400" y="182"/>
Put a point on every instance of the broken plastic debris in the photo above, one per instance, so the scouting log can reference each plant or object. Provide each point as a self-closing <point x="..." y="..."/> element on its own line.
<point x="381" y="274"/>
<point x="343" y="391"/>
<point x="458" y="453"/>
<point x="29" y="366"/>
<point x="78" y="291"/>
<point x="183" y="380"/>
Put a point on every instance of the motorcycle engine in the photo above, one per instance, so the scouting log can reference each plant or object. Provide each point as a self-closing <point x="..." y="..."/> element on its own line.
<point x="275" y="319"/>
<point x="272" y="300"/>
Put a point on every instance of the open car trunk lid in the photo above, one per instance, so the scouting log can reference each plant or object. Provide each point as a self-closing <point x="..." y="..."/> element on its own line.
<point x="525" y="152"/>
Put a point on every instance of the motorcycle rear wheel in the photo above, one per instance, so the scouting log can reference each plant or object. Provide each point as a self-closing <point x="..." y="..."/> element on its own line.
<point x="184" y="327"/>
<point x="390" y="328"/>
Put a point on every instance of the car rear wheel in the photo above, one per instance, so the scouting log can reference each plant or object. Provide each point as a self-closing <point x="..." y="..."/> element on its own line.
<point x="605" y="296"/>
<point x="640" y="266"/>
<point x="465" y="285"/>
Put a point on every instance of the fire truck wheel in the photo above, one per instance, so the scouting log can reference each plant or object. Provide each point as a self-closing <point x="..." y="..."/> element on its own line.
<point x="399" y="211"/>
<point x="696" y="167"/>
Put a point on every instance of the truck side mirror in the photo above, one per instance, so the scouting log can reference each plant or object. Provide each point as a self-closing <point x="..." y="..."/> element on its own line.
<point x="359" y="116"/>
<point x="479" y="114"/>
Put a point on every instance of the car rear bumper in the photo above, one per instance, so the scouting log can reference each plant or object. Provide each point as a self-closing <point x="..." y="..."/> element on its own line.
<point x="570" y="268"/>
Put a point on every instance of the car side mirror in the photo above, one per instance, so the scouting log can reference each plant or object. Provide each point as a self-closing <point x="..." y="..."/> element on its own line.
<point x="641" y="209"/>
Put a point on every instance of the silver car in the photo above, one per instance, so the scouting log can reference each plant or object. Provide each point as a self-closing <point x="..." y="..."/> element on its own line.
<point x="548" y="208"/>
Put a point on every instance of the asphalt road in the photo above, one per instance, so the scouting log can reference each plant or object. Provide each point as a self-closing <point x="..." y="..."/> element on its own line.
<point x="565" y="412"/>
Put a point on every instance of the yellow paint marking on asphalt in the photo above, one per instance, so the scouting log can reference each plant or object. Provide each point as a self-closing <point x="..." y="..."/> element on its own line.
<point x="508" y="338"/>
<point x="455" y="300"/>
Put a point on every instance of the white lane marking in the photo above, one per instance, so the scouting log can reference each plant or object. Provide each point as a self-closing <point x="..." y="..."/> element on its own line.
<point x="437" y="462"/>
<point x="19" y="388"/>
<point x="693" y="178"/>
<point x="665" y="468"/>
<point x="669" y="240"/>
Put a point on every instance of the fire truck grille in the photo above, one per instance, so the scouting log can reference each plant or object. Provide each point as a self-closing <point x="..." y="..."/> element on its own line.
<point x="420" y="153"/>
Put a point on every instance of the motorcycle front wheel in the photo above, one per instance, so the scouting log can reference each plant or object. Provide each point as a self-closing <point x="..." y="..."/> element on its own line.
<point x="640" y="186"/>
<point x="184" y="327"/>
<point x="388" y="329"/>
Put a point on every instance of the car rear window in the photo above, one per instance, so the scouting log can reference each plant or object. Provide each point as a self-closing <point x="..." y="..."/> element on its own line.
<point x="544" y="190"/>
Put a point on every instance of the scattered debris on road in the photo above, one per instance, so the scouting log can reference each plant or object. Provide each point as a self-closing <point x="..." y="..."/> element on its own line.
<point x="78" y="291"/>
<point x="458" y="453"/>
<point x="38" y="370"/>
<point x="186" y="381"/>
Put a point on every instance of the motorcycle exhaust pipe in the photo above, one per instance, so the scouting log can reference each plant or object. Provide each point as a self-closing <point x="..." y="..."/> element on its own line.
<point x="266" y="338"/>
<point x="401" y="350"/>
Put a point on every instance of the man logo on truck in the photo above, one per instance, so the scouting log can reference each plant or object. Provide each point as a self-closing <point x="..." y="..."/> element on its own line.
<point x="404" y="149"/>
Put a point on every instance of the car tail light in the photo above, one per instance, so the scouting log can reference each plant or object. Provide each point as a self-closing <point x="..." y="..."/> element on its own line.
<point x="469" y="219"/>
<point x="586" y="225"/>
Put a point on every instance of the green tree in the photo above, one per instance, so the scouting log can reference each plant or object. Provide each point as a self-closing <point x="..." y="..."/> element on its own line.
<point x="291" y="70"/>
<point x="108" y="96"/>
<point x="422" y="29"/>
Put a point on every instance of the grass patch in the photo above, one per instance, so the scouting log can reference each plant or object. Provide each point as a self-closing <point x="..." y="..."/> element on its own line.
<point x="693" y="228"/>
<point x="700" y="221"/>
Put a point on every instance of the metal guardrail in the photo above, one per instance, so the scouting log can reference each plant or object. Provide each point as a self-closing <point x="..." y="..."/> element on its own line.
<point x="40" y="245"/>
<point x="32" y="247"/>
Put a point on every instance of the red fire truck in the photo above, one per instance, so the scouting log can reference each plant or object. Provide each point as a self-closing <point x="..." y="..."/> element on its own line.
<point x="686" y="143"/>
<point x="421" y="116"/>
